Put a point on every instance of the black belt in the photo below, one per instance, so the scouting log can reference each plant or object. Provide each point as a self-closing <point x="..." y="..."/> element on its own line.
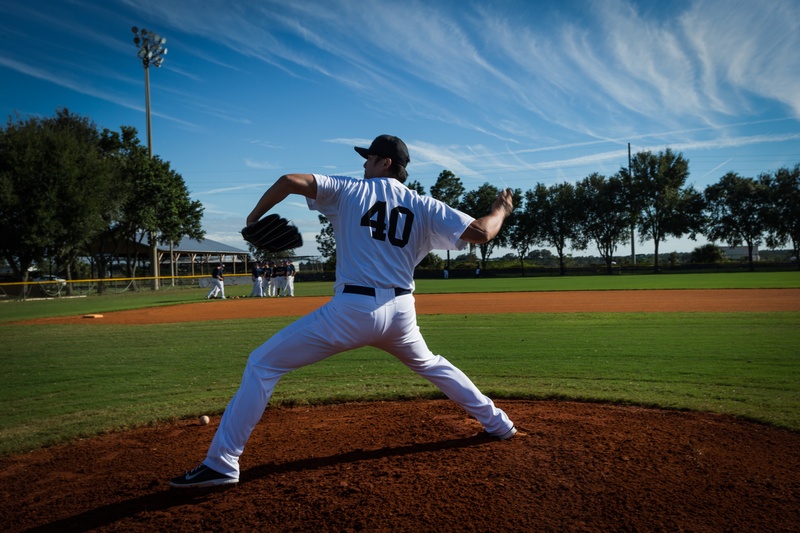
<point x="369" y="291"/>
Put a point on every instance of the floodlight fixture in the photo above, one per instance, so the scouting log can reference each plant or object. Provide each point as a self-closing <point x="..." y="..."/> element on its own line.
<point x="151" y="46"/>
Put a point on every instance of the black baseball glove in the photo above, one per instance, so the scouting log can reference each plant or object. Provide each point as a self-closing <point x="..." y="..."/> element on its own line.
<point x="273" y="233"/>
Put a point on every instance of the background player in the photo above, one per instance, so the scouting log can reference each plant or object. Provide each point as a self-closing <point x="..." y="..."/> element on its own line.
<point x="280" y="278"/>
<point x="273" y="280"/>
<point x="382" y="230"/>
<point x="217" y="282"/>
<point x="290" y="273"/>
<point x="257" y="274"/>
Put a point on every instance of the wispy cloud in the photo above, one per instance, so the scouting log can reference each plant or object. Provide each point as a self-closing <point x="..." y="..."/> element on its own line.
<point x="622" y="59"/>
<point x="260" y="165"/>
<point x="731" y="142"/>
<point x="477" y="163"/>
<point x="227" y="190"/>
<point x="67" y="82"/>
<point x="751" y="48"/>
<point x="264" y="143"/>
<point x="82" y="87"/>
<point x="715" y="168"/>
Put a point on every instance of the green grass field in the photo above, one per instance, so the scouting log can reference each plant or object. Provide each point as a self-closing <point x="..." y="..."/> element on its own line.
<point x="68" y="381"/>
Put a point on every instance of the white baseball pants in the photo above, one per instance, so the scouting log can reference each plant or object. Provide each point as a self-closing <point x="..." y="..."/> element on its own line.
<point x="217" y="287"/>
<point x="288" y="287"/>
<point x="348" y="321"/>
<point x="258" y="288"/>
<point x="273" y="287"/>
<point x="280" y="286"/>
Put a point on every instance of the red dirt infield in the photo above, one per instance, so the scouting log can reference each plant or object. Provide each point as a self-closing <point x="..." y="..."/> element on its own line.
<point x="422" y="466"/>
<point x="644" y="301"/>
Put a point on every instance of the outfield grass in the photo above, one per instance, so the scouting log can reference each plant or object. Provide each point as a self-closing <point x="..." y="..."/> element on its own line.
<point x="66" y="381"/>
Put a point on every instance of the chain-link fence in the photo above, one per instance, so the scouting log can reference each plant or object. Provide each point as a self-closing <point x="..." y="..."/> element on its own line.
<point x="54" y="287"/>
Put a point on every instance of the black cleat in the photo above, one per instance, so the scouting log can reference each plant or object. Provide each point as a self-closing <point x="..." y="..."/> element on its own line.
<point x="201" y="476"/>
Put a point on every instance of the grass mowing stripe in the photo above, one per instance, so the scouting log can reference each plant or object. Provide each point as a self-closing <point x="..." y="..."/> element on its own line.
<point x="67" y="381"/>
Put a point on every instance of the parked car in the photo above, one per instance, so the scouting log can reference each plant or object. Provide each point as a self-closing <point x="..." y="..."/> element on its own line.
<point x="60" y="282"/>
<point x="51" y="285"/>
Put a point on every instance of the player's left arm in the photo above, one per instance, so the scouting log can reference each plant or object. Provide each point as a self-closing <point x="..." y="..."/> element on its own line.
<point x="486" y="228"/>
<point x="303" y="184"/>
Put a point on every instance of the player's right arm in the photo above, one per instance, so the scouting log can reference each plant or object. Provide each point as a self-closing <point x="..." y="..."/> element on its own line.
<point x="303" y="184"/>
<point x="486" y="228"/>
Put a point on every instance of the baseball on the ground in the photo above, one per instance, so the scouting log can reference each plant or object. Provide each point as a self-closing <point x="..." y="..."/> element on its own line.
<point x="204" y="420"/>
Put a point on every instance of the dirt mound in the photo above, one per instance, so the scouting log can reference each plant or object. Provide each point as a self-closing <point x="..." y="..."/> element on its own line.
<point x="424" y="466"/>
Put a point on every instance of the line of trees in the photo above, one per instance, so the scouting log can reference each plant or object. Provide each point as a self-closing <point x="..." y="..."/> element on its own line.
<point x="651" y="200"/>
<point x="70" y="190"/>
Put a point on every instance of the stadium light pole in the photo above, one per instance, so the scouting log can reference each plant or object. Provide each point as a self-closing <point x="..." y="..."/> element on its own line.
<point x="151" y="52"/>
<point x="633" y="222"/>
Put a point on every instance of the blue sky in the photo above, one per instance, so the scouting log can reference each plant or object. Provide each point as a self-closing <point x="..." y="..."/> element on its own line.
<point x="511" y="92"/>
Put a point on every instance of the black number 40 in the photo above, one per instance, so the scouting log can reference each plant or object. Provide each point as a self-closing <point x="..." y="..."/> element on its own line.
<point x="375" y="218"/>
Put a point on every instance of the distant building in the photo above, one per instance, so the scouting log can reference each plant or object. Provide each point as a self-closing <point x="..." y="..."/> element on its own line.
<point x="740" y="253"/>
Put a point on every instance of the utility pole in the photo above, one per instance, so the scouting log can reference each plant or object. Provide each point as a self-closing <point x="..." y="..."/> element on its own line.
<point x="633" y="220"/>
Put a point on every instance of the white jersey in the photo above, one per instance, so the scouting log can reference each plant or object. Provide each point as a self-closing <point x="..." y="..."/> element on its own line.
<point x="386" y="229"/>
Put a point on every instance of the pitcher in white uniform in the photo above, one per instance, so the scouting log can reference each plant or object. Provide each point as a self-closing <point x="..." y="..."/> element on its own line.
<point x="383" y="230"/>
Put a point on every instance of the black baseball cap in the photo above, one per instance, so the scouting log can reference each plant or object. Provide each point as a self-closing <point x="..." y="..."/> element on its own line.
<point x="387" y="146"/>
